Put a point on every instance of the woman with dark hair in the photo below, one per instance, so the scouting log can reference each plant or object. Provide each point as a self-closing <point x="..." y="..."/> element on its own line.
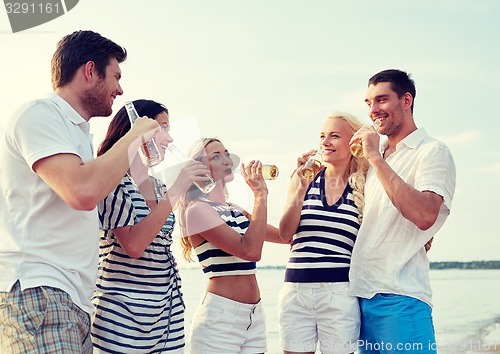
<point x="138" y="301"/>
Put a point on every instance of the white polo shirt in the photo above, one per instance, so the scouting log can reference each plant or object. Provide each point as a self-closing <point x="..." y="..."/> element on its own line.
<point x="43" y="241"/>
<point x="389" y="255"/>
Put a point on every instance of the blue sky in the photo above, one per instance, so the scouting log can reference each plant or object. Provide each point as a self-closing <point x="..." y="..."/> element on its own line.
<point x="262" y="76"/>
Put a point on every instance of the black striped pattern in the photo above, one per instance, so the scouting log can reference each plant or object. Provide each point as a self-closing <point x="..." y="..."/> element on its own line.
<point x="216" y="262"/>
<point x="322" y="246"/>
<point x="138" y="302"/>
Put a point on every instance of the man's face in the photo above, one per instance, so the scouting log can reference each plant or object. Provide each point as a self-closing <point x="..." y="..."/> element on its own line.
<point x="385" y="106"/>
<point x="98" y="100"/>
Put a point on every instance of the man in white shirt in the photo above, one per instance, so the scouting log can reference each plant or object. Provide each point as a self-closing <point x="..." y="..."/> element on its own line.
<point x="408" y="194"/>
<point x="50" y="185"/>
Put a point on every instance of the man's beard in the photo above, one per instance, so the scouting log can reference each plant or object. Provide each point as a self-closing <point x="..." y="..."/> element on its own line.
<point x="96" y="102"/>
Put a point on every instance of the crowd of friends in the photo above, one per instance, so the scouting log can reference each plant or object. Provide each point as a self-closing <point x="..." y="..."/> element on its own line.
<point x="358" y="228"/>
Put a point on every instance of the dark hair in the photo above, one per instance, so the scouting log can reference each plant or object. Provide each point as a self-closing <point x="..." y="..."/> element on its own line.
<point x="78" y="48"/>
<point x="120" y="124"/>
<point x="400" y="81"/>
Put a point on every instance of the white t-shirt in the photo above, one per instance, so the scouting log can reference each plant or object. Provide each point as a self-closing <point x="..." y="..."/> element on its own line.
<point x="43" y="241"/>
<point x="389" y="255"/>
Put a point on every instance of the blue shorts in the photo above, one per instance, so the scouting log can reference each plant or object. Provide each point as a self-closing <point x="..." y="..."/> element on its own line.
<point x="395" y="323"/>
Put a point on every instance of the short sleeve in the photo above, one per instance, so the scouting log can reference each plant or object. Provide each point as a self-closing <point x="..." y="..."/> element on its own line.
<point x="42" y="131"/>
<point x="116" y="210"/>
<point x="436" y="172"/>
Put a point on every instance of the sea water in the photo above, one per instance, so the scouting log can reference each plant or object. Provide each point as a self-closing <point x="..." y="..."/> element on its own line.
<point x="466" y="306"/>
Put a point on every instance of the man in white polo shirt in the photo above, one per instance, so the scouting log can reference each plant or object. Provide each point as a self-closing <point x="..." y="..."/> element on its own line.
<point x="408" y="193"/>
<point x="50" y="185"/>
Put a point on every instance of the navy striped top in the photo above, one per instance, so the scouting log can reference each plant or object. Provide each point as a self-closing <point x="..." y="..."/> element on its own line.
<point x="216" y="262"/>
<point x="323" y="243"/>
<point x="138" y="302"/>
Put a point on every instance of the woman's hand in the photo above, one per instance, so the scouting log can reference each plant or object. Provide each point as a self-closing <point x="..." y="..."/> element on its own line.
<point x="252" y="173"/>
<point x="297" y="178"/>
<point x="193" y="171"/>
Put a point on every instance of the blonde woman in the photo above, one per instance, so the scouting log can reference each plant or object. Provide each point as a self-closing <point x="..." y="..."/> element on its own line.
<point x="228" y="242"/>
<point x="322" y="217"/>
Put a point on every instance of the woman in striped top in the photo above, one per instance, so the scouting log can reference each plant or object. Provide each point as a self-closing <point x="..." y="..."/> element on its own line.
<point x="138" y="300"/>
<point x="228" y="242"/>
<point x="322" y="217"/>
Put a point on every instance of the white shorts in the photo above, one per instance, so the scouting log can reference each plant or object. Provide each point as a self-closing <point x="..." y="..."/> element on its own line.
<point x="324" y="312"/>
<point x="224" y="326"/>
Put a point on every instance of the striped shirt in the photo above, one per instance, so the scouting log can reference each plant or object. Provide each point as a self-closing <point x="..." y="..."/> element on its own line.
<point x="322" y="246"/>
<point x="216" y="262"/>
<point x="138" y="302"/>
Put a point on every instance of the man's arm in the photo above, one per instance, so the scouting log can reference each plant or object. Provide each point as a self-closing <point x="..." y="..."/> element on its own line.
<point x="83" y="185"/>
<point x="420" y="207"/>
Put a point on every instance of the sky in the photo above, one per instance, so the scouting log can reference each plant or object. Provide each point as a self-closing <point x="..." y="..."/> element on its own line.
<point x="262" y="76"/>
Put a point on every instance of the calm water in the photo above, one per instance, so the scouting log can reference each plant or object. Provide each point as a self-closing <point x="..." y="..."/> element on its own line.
<point x="466" y="305"/>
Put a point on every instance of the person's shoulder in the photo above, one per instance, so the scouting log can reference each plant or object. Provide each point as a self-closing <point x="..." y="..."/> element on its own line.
<point x="200" y="217"/>
<point x="26" y="114"/>
<point x="40" y="103"/>
<point x="434" y="149"/>
<point x="36" y="108"/>
<point x="198" y="206"/>
<point x="430" y="142"/>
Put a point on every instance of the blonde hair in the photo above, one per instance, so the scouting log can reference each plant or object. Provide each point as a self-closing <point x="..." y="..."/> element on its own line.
<point x="197" y="152"/>
<point x="358" y="165"/>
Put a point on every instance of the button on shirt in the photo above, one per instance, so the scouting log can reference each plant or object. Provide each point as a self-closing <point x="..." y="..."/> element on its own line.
<point x="389" y="254"/>
<point x="43" y="241"/>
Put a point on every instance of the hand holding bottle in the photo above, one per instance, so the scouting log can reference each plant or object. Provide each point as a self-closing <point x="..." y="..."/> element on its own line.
<point x="191" y="172"/>
<point x="149" y="151"/>
<point x="269" y="172"/>
<point x="204" y="182"/>
<point x="313" y="165"/>
<point x="356" y="147"/>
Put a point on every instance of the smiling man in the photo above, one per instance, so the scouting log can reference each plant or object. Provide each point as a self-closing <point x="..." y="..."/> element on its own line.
<point x="50" y="186"/>
<point x="408" y="193"/>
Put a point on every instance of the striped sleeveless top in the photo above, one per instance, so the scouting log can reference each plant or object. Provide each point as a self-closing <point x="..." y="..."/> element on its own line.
<point x="322" y="247"/>
<point x="216" y="262"/>
<point x="138" y="302"/>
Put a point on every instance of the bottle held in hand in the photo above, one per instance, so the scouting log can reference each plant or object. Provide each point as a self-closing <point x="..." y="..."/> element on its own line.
<point x="269" y="172"/>
<point x="312" y="166"/>
<point x="357" y="147"/>
<point x="204" y="186"/>
<point x="149" y="151"/>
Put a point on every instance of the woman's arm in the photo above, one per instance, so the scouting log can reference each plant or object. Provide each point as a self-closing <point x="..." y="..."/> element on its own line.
<point x="297" y="190"/>
<point x="135" y="239"/>
<point x="290" y="219"/>
<point x="203" y="220"/>
<point x="272" y="232"/>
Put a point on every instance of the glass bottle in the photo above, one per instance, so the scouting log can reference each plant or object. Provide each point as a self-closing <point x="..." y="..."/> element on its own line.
<point x="205" y="186"/>
<point x="312" y="165"/>
<point x="269" y="172"/>
<point x="356" y="148"/>
<point x="149" y="151"/>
